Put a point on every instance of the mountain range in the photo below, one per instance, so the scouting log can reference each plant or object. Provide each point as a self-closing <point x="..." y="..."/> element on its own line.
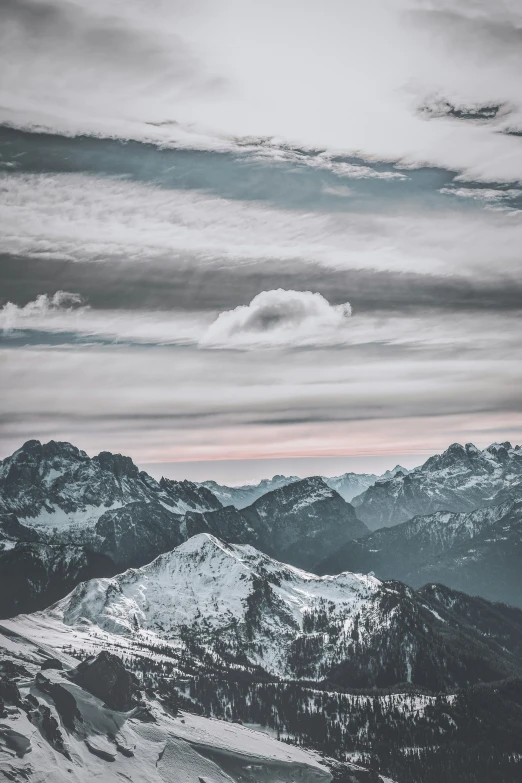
<point x="479" y="552"/>
<point x="65" y="517"/>
<point x="289" y="614"/>
<point x="348" y="485"/>
<point x="462" y="478"/>
<point x="350" y="665"/>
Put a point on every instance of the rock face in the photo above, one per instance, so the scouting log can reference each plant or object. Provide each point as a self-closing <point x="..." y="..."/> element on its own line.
<point x="479" y="552"/>
<point x="241" y="607"/>
<point x="55" y="485"/>
<point x="33" y="576"/>
<point x="105" y="676"/>
<point x="294" y="523"/>
<point x="463" y="478"/>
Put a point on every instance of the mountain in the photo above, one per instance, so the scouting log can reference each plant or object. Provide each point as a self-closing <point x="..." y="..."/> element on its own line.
<point x="348" y="485"/>
<point x="56" y="485"/>
<point x="65" y="517"/>
<point x="479" y="552"/>
<point x="238" y="606"/>
<point x="61" y="720"/>
<point x="80" y="517"/>
<point x="462" y="478"/>
<point x="389" y="474"/>
<point x="227" y="632"/>
<point x="35" y="575"/>
<point x="245" y="495"/>
<point x="293" y="523"/>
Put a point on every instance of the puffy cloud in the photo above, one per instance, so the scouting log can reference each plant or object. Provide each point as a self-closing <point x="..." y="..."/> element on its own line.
<point x="42" y="311"/>
<point x="278" y="318"/>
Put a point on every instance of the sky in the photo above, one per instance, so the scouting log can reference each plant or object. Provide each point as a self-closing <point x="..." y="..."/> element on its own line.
<point x="246" y="238"/>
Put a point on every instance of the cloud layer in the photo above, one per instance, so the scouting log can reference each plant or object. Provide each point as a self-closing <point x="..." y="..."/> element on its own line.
<point x="339" y="77"/>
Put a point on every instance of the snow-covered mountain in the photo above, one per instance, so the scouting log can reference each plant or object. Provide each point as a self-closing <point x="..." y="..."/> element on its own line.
<point x="298" y="523"/>
<point x="65" y="517"/>
<point x="479" y="552"/>
<point x="55" y="485"/>
<point x="462" y="478"/>
<point x="235" y="606"/>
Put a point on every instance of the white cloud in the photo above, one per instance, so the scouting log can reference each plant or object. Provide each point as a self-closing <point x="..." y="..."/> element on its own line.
<point x="278" y="318"/>
<point x="44" y="311"/>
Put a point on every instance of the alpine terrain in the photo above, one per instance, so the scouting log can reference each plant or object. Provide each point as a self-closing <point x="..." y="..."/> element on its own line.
<point x="462" y="478"/>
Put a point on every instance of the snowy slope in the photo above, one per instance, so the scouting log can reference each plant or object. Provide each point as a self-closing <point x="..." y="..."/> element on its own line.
<point x="51" y="729"/>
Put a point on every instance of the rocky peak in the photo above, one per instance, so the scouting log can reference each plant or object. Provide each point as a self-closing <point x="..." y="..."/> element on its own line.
<point x="116" y="464"/>
<point x="312" y="489"/>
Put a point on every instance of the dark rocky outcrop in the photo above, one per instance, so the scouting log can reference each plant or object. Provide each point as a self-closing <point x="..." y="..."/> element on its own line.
<point x="105" y="676"/>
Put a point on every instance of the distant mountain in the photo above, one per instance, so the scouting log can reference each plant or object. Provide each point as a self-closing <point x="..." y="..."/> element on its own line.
<point x="479" y="552"/>
<point x="389" y="474"/>
<point x="348" y="485"/>
<point x="239" y="605"/>
<point x="293" y="523"/>
<point x="55" y="485"/>
<point x="245" y="495"/>
<point x="463" y="478"/>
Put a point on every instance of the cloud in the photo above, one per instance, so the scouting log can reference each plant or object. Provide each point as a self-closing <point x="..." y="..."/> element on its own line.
<point x="43" y="311"/>
<point x="95" y="218"/>
<point x="279" y="318"/>
<point x="182" y="73"/>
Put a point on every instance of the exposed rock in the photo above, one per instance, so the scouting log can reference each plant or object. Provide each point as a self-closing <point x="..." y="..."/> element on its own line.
<point x="51" y="731"/>
<point x="52" y="663"/>
<point x="15" y="741"/>
<point x="102" y="750"/>
<point x="63" y="699"/>
<point x="105" y="676"/>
